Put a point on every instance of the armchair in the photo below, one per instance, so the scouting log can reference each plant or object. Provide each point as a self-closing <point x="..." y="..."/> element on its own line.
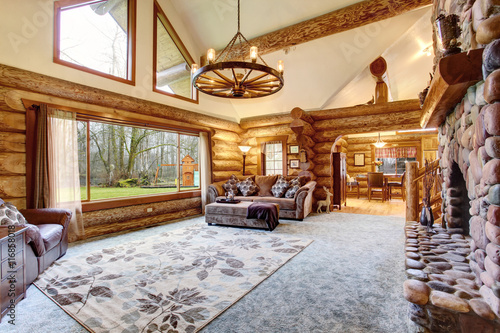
<point x="53" y="224"/>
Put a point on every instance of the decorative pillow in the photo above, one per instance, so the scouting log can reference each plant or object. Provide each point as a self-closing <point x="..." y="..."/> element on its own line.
<point x="230" y="186"/>
<point x="295" y="181"/>
<point x="279" y="188"/>
<point x="248" y="187"/>
<point x="9" y="215"/>
<point x="265" y="183"/>
<point x="291" y="191"/>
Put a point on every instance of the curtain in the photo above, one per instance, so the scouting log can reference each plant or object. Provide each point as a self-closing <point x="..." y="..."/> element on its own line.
<point x="64" y="176"/>
<point x="396" y="152"/>
<point x="205" y="166"/>
<point x="41" y="177"/>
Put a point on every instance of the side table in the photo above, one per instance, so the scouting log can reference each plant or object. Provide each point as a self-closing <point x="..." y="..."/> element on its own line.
<point x="12" y="257"/>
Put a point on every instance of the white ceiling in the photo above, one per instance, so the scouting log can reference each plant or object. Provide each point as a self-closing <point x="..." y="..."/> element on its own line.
<point x="326" y="73"/>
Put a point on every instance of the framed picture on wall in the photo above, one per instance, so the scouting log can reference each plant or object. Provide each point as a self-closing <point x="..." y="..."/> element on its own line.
<point x="294" y="164"/>
<point x="294" y="149"/>
<point x="359" y="159"/>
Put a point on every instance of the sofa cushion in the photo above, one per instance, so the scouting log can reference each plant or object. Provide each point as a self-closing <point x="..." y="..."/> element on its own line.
<point x="279" y="188"/>
<point x="51" y="235"/>
<point x="230" y="186"/>
<point x="287" y="204"/>
<point x="265" y="183"/>
<point x="290" y="193"/>
<point x="248" y="187"/>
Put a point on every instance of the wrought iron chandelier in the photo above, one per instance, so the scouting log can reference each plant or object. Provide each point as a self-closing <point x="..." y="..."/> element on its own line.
<point x="223" y="77"/>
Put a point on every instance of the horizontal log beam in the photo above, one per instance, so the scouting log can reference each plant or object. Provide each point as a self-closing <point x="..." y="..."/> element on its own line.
<point x="268" y="120"/>
<point x="51" y="86"/>
<point x="367" y="124"/>
<point x="363" y="110"/>
<point x="299" y="127"/>
<point x="347" y="18"/>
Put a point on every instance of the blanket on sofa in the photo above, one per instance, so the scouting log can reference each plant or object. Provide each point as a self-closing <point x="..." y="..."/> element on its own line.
<point x="264" y="211"/>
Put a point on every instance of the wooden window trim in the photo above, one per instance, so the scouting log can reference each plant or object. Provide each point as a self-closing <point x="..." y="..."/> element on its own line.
<point x="88" y="206"/>
<point x="261" y="140"/>
<point x="160" y="14"/>
<point x="131" y="36"/>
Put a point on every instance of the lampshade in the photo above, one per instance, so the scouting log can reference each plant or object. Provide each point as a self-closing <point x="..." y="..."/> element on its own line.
<point x="245" y="149"/>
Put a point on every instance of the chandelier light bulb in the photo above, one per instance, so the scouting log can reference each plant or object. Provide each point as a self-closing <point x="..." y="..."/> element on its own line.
<point x="253" y="53"/>
<point x="194" y="68"/>
<point x="281" y="66"/>
<point x="211" y="55"/>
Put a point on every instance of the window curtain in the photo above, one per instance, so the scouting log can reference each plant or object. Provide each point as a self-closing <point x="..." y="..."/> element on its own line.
<point x="64" y="176"/>
<point x="206" y="169"/>
<point x="41" y="176"/>
<point x="396" y="152"/>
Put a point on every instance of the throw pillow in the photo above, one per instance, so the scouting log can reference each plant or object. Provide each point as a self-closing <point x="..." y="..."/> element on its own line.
<point x="230" y="186"/>
<point x="290" y="193"/>
<point x="9" y="215"/>
<point x="248" y="187"/>
<point x="265" y="183"/>
<point x="279" y="188"/>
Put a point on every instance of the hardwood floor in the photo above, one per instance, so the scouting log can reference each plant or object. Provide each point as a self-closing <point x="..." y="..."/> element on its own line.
<point x="394" y="207"/>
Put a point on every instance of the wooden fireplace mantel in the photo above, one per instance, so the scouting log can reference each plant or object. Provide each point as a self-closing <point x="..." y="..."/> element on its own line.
<point x="454" y="74"/>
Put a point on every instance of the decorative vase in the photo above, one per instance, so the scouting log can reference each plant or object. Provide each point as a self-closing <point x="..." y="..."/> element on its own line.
<point x="429" y="217"/>
<point x="423" y="216"/>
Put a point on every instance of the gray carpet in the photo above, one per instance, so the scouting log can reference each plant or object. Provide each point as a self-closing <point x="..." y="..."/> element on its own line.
<point x="348" y="280"/>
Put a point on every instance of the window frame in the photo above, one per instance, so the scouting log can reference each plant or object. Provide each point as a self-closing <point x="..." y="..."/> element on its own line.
<point x="261" y="167"/>
<point x="89" y="204"/>
<point x="131" y="40"/>
<point x="159" y="14"/>
<point x="417" y="144"/>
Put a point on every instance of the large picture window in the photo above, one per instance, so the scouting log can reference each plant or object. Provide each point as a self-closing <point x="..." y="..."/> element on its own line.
<point x="117" y="161"/>
<point x="172" y="61"/>
<point x="96" y="36"/>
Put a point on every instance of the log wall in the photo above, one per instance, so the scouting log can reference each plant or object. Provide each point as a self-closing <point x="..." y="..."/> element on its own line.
<point x="17" y="85"/>
<point x="12" y="153"/>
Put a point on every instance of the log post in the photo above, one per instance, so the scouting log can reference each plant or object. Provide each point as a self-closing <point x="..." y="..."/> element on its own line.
<point x="301" y="127"/>
<point x="411" y="191"/>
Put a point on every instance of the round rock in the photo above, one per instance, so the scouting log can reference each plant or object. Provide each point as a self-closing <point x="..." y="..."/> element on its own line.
<point x="482" y="309"/>
<point x="492" y="119"/>
<point x="492" y="146"/>
<point x="448" y="301"/>
<point x="416" y="292"/>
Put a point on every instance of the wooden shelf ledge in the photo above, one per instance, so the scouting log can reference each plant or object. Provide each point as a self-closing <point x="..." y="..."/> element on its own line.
<point x="453" y="76"/>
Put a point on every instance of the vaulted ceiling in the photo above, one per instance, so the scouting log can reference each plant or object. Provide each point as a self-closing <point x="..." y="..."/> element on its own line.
<point x="327" y="72"/>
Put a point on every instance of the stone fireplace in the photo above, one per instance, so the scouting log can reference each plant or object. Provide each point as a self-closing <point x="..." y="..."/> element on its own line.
<point x="454" y="271"/>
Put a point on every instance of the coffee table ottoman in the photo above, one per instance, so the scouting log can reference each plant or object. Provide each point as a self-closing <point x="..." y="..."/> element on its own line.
<point x="232" y="215"/>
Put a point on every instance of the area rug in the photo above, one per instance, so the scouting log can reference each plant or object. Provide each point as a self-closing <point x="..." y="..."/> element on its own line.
<point x="176" y="281"/>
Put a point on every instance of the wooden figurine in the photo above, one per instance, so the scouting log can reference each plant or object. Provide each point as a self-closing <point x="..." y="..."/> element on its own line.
<point x="325" y="202"/>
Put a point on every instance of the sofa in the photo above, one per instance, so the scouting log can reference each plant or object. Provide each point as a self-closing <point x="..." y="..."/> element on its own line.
<point x="296" y="207"/>
<point x="46" y="237"/>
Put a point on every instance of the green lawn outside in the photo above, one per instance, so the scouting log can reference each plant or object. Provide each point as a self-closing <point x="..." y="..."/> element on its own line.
<point x="97" y="193"/>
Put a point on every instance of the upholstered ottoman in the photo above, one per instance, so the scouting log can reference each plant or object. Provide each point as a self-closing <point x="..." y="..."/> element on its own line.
<point x="233" y="215"/>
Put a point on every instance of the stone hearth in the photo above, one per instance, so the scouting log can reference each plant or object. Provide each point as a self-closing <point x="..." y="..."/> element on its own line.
<point x="443" y="292"/>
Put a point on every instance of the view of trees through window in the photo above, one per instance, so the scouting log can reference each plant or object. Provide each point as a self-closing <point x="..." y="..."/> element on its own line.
<point x="94" y="35"/>
<point x="128" y="161"/>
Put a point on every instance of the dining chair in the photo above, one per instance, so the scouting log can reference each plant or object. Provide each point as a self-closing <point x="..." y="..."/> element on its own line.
<point x="376" y="184"/>
<point x="397" y="185"/>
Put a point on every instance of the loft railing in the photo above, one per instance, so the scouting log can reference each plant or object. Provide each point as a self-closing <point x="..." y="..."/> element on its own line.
<point x="415" y="193"/>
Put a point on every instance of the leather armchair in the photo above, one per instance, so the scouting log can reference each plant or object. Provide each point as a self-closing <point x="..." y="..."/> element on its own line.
<point x="53" y="224"/>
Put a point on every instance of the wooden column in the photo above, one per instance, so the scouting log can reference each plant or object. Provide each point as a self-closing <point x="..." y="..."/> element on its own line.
<point x="411" y="191"/>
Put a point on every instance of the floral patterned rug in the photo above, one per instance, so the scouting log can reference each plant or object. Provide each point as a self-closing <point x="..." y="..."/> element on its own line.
<point x="177" y="281"/>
